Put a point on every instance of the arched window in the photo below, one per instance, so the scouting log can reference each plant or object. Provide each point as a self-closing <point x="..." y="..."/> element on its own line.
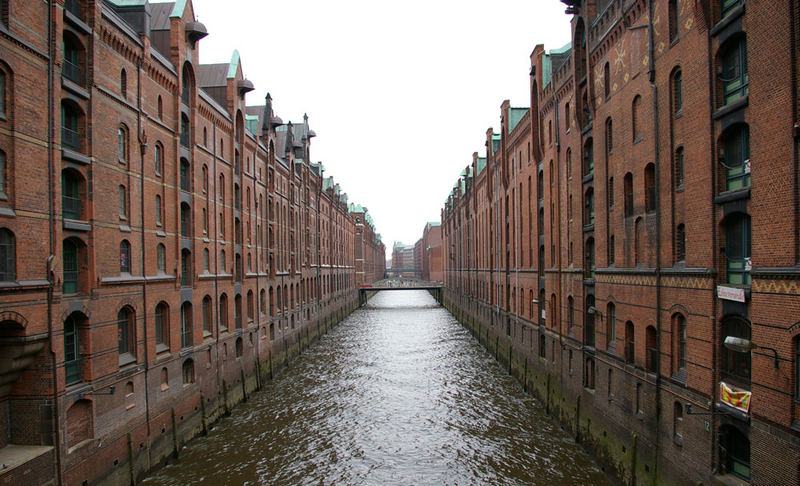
<point x="125" y="257"/>
<point x="71" y="126"/>
<point x="679" y="167"/>
<point x="123" y="202"/>
<point x="205" y="178"/>
<point x="677" y="92"/>
<point x="186" y="220"/>
<point x="679" y="343"/>
<point x="250" y="306"/>
<point x="223" y="268"/>
<point x="161" y="258"/>
<point x="125" y="333"/>
<point x="673" y="19"/>
<point x="223" y="312"/>
<point x="160" y="108"/>
<point x="735" y="366"/>
<point x="735" y="156"/>
<point x="3" y="174"/>
<point x="733" y="70"/>
<point x="73" y="251"/>
<point x="162" y="326"/>
<point x="122" y="144"/>
<point x="72" y="62"/>
<point x="680" y="243"/>
<point x="187" y="371"/>
<point x="635" y="121"/>
<point x="651" y="348"/>
<point x="207" y="315"/>
<point x="628" y="194"/>
<point x="588" y="157"/>
<point x="159" y="157"/>
<point x="590" y="259"/>
<point x="239" y="347"/>
<point x="567" y="116"/>
<point x="206" y="260"/>
<point x="609" y="136"/>
<point x="650" y="188"/>
<point x="185" y="175"/>
<point x="158" y="210"/>
<point x="271" y="301"/>
<point x="629" y="342"/>
<point x="186" y="325"/>
<point x="611" y="325"/>
<point x="588" y="207"/>
<point x="606" y="80"/>
<point x="262" y="303"/>
<point x="737" y="249"/>
<point x="123" y="83"/>
<point x="185" y="131"/>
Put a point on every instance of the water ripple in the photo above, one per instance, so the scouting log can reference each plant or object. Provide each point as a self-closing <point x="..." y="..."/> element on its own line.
<point x="398" y="393"/>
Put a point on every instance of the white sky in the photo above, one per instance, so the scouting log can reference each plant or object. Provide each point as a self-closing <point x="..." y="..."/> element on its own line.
<point x="400" y="94"/>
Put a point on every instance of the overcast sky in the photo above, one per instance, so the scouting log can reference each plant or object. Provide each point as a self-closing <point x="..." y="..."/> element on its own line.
<point x="400" y="94"/>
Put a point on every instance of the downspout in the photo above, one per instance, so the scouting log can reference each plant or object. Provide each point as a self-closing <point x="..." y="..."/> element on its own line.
<point x="49" y="263"/>
<point x="651" y="74"/>
<point x="557" y="263"/>
<point x="214" y="179"/>
<point x="142" y="137"/>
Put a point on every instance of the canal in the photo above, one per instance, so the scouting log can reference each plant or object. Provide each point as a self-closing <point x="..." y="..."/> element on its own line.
<point x="398" y="393"/>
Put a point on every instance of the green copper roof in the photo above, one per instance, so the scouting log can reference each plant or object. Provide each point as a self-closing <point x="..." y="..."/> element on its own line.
<point x="547" y="65"/>
<point x="480" y="165"/>
<point x="180" y="6"/>
<point x="514" y="117"/>
<point x="234" y="64"/>
<point x="252" y="124"/>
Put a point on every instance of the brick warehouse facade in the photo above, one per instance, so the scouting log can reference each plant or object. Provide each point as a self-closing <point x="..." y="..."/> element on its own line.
<point x="163" y="246"/>
<point x="642" y="210"/>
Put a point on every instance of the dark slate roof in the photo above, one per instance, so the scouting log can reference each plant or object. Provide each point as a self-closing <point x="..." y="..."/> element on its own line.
<point x="212" y="75"/>
<point x="159" y="15"/>
<point x="559" y="59"/>
<point x="256" y="111"/>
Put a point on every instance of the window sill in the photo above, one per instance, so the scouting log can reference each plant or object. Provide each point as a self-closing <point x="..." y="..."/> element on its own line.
<point x="126" y="359"/>
<point x="731" y="196"/>
<point x="731" y="107"/>
<point x="161" y="348"/>
<point x="725" y="21"/>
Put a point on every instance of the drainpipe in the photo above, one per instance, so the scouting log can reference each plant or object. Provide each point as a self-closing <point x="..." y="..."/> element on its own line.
<point x="651" y="74"/>
<point x="214" y="179"/>
<point x="557" y="263"/>
<point x="142" y="137"/>
<point x="51" y="203"/>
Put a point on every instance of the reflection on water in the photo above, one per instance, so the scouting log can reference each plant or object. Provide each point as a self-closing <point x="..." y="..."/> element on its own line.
<point x="398" y="393"/>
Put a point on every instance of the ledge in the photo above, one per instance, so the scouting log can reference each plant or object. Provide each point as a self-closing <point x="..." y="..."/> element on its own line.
<point x="731" y="196"/>
<point x="76" y="157"/>
<point x="122" y="279"/>
<point x="731" y="108"/>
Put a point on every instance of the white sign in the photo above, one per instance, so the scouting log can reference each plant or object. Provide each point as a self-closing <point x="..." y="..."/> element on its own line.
<point x="730" y="293"/>
<point x="544" y="314"/>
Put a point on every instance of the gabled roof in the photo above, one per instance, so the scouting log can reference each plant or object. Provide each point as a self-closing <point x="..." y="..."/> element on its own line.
<point x="212" y="75"/>
<point x="159" y="15"/>
<point x="480" y="165"/>
<point x="553" y="60"/>
<point x="515" y="115"/>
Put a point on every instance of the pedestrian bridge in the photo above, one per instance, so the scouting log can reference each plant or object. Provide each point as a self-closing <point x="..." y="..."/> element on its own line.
<point x="434" y="288"/>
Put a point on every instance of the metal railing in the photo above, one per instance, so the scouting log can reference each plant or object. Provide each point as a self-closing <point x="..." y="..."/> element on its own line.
<point x="71" y="207"/>
<point x="70" y="139"/>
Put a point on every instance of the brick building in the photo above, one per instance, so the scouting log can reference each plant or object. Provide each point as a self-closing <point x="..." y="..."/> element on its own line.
<point x="623" y="226"/>
<point x="192" y="246"/>
<point x="432" y="269"/>
<point x="369" y="250"/>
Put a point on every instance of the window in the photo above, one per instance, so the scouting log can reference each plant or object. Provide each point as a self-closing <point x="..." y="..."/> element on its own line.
<point x="122" y="144"/>
<point x="223" y="312"/>
<point x="651" y="348"/>
<point x="161" y="258"/>
<point x="239" y="347"/>
<point x="158" y="210"/>
<point x="70" y="131"/>
<point x="185" y="176"/>
<point x="186" y="325"/>
<point x="611" y="322"/>
<point x="185" y="131"/>
<point x="611" y="249"/>
<point x="609" y="136"/>
<point x="570" y="314"/>
<point x="588" y="213"/>
<point x="606" y="80"/>
<point x="737" y="249"/>
<point x="206" y="263"/>
<point x="610" y="194"/>
<point x="567" y="117"/>
<point x="680" y="243"/>
<point x="588" y="373"/>
<point x="186" y="268"/>
<point x="733" y="70"/>
<point x="72" y="361"/>
<point x="677" y="422"/>
<point x="7" y="256"/>
<point x="673" y="19"/>
<point x="679" y="342"/>
<point x="187" y="371"/>
<point x="588" y="157"/>
<point x="629" y="342"/>
<point x="71" y="269"/>
<point x="679" y="167"/>
<point x="637" y="102"/>
<point x="186" y="221"/>
<point x="205" y="178"/>
<point x="125" y="332"/>
<point x="160" y="108"/>
<point x="159" y="157"/>
<point x="2" y="92"/>
<point x="222" y="263"/>
<point x="735" y="157"/>
<point x="628" y="195"/>
<point x="650" y="188"/>
<point x="207" y="314"/>
<point x="237" y="311"/>
<point x="71" y="65"/>
<point x="123" y="203"/>
<point x="588" y="328"/>
<point x="123" y="83"/>
<point x="162" y="326"/>
<point x="735" y="365"/>
<point x="70" y="195"/>
<point x="677" y="93"/>
<point x="734" y="451"/>
<point x="125" y="257"/>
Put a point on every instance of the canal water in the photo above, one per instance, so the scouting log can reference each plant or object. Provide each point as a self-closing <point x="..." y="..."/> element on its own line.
<point x="397" y="393"/>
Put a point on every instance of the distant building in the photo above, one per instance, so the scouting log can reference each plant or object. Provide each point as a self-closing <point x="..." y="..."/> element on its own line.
<point x="432" y="265"/>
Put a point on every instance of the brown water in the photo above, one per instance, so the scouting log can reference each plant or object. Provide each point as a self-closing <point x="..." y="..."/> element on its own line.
<point x="398" y="393"/>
